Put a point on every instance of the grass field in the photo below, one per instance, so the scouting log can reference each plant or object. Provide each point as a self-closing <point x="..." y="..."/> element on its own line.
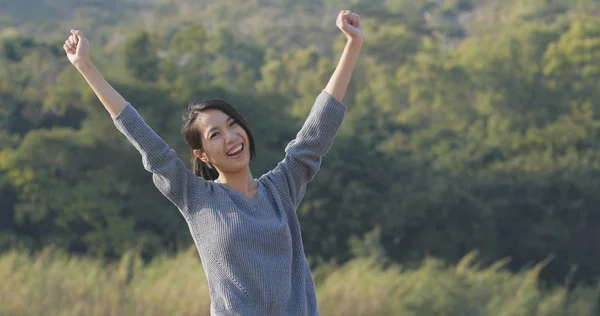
<point x="52" y="283"/>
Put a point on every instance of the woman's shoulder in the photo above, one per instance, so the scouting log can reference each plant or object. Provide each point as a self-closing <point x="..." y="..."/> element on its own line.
<point x="276" y="187"/>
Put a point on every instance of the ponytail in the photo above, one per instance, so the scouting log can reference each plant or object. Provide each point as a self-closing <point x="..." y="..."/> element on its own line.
<point x="203" y="170"/>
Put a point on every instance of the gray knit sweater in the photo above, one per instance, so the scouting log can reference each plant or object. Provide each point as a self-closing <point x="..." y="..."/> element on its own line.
<point x="251" y="249"/>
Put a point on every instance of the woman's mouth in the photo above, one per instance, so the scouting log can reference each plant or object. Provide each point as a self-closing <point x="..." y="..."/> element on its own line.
<point x="236" y="151"/>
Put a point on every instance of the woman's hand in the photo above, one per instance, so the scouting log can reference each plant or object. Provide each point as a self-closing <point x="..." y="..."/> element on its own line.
<point x="349" y="24"/>
<point x="77" y="48"/>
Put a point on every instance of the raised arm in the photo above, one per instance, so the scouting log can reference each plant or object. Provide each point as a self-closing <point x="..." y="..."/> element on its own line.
<point x="304" y="153"/>
<point x="349" y="24"/>
<point x="184" y="189"/>
<point x="77" y="49"/>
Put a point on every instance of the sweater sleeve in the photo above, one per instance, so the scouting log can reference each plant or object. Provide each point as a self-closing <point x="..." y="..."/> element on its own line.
<point x="303" y="154"/>
<point x="177" y="183"/>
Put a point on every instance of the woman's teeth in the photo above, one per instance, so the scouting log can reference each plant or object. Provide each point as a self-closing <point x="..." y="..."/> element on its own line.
<point x="236" y="150"/>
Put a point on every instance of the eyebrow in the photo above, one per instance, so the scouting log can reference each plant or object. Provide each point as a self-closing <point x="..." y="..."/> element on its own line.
<point x="210" y="130"/>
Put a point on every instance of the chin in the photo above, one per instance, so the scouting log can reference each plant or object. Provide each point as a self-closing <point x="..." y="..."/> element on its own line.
<point x="241" y="165"/>
<point x="237" y="166"/>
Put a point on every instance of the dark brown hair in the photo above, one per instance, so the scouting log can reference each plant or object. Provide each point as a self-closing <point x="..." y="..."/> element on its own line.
<point x="193" y="136"/>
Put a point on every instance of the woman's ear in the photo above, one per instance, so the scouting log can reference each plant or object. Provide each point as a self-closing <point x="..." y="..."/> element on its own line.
<point x="200" y="154"/>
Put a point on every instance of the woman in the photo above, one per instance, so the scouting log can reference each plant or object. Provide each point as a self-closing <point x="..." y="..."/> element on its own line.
<point x="245" y="229"/>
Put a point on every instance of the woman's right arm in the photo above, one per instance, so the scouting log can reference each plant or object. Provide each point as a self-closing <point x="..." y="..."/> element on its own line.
<point x="176" y="182"/>
<point x="77" y="49"/>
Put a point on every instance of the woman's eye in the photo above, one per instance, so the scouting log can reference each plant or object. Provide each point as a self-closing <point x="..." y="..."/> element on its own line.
<point x="215" y="134"/>
<point x="233" y="123"/>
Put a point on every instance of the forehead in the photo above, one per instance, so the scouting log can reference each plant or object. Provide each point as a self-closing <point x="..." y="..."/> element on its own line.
<point x="211" y="118"/>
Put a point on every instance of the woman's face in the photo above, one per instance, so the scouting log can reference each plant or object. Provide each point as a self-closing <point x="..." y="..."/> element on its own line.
<point x="224" y="141"/>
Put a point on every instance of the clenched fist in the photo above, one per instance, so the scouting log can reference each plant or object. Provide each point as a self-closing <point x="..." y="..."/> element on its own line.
<point x="77" y="48"/>
<point x="349" y="24"/>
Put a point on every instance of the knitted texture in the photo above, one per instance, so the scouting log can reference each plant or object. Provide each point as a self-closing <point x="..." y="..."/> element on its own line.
<point x="251" y="249"/>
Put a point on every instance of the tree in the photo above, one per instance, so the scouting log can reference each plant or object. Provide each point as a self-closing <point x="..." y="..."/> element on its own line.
<point x="140" y="56"/>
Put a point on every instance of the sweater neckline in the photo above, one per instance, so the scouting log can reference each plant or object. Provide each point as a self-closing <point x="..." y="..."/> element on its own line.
<point x="242" y="195"/>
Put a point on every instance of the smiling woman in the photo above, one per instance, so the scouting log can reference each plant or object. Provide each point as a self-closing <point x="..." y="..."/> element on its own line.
<point x="245" y="229"/>
<point x="218" y="125"/>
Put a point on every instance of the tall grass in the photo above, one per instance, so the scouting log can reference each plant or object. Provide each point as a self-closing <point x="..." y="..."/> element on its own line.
<point x="52" y="283"/>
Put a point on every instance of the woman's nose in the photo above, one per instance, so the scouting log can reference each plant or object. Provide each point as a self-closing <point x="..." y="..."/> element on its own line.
<point x="230" y="137"/>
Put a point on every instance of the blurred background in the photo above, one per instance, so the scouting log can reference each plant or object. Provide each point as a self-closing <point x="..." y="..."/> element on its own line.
<point x="465" y="179"/>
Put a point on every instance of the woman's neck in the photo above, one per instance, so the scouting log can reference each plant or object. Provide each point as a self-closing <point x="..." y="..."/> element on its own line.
<point x="240" y="181"/>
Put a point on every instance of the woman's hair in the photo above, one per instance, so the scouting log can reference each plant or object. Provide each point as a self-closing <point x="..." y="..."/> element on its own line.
<point x="193" y="136"/>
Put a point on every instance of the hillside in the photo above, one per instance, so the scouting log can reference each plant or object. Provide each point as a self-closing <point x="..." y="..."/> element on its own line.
<point x="472" y="125"/>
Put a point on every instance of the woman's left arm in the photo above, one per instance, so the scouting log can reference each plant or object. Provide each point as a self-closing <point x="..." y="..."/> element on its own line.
<point x="349" y="24"/>
<point x="303" y="155"/>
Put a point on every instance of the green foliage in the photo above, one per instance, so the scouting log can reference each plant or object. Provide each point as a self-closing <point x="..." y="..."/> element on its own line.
<point x="470" y="125"/>
<point x="141" y="57"/>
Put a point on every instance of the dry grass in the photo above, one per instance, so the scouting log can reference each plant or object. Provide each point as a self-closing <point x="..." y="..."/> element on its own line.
<point x="52" y="283"/>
